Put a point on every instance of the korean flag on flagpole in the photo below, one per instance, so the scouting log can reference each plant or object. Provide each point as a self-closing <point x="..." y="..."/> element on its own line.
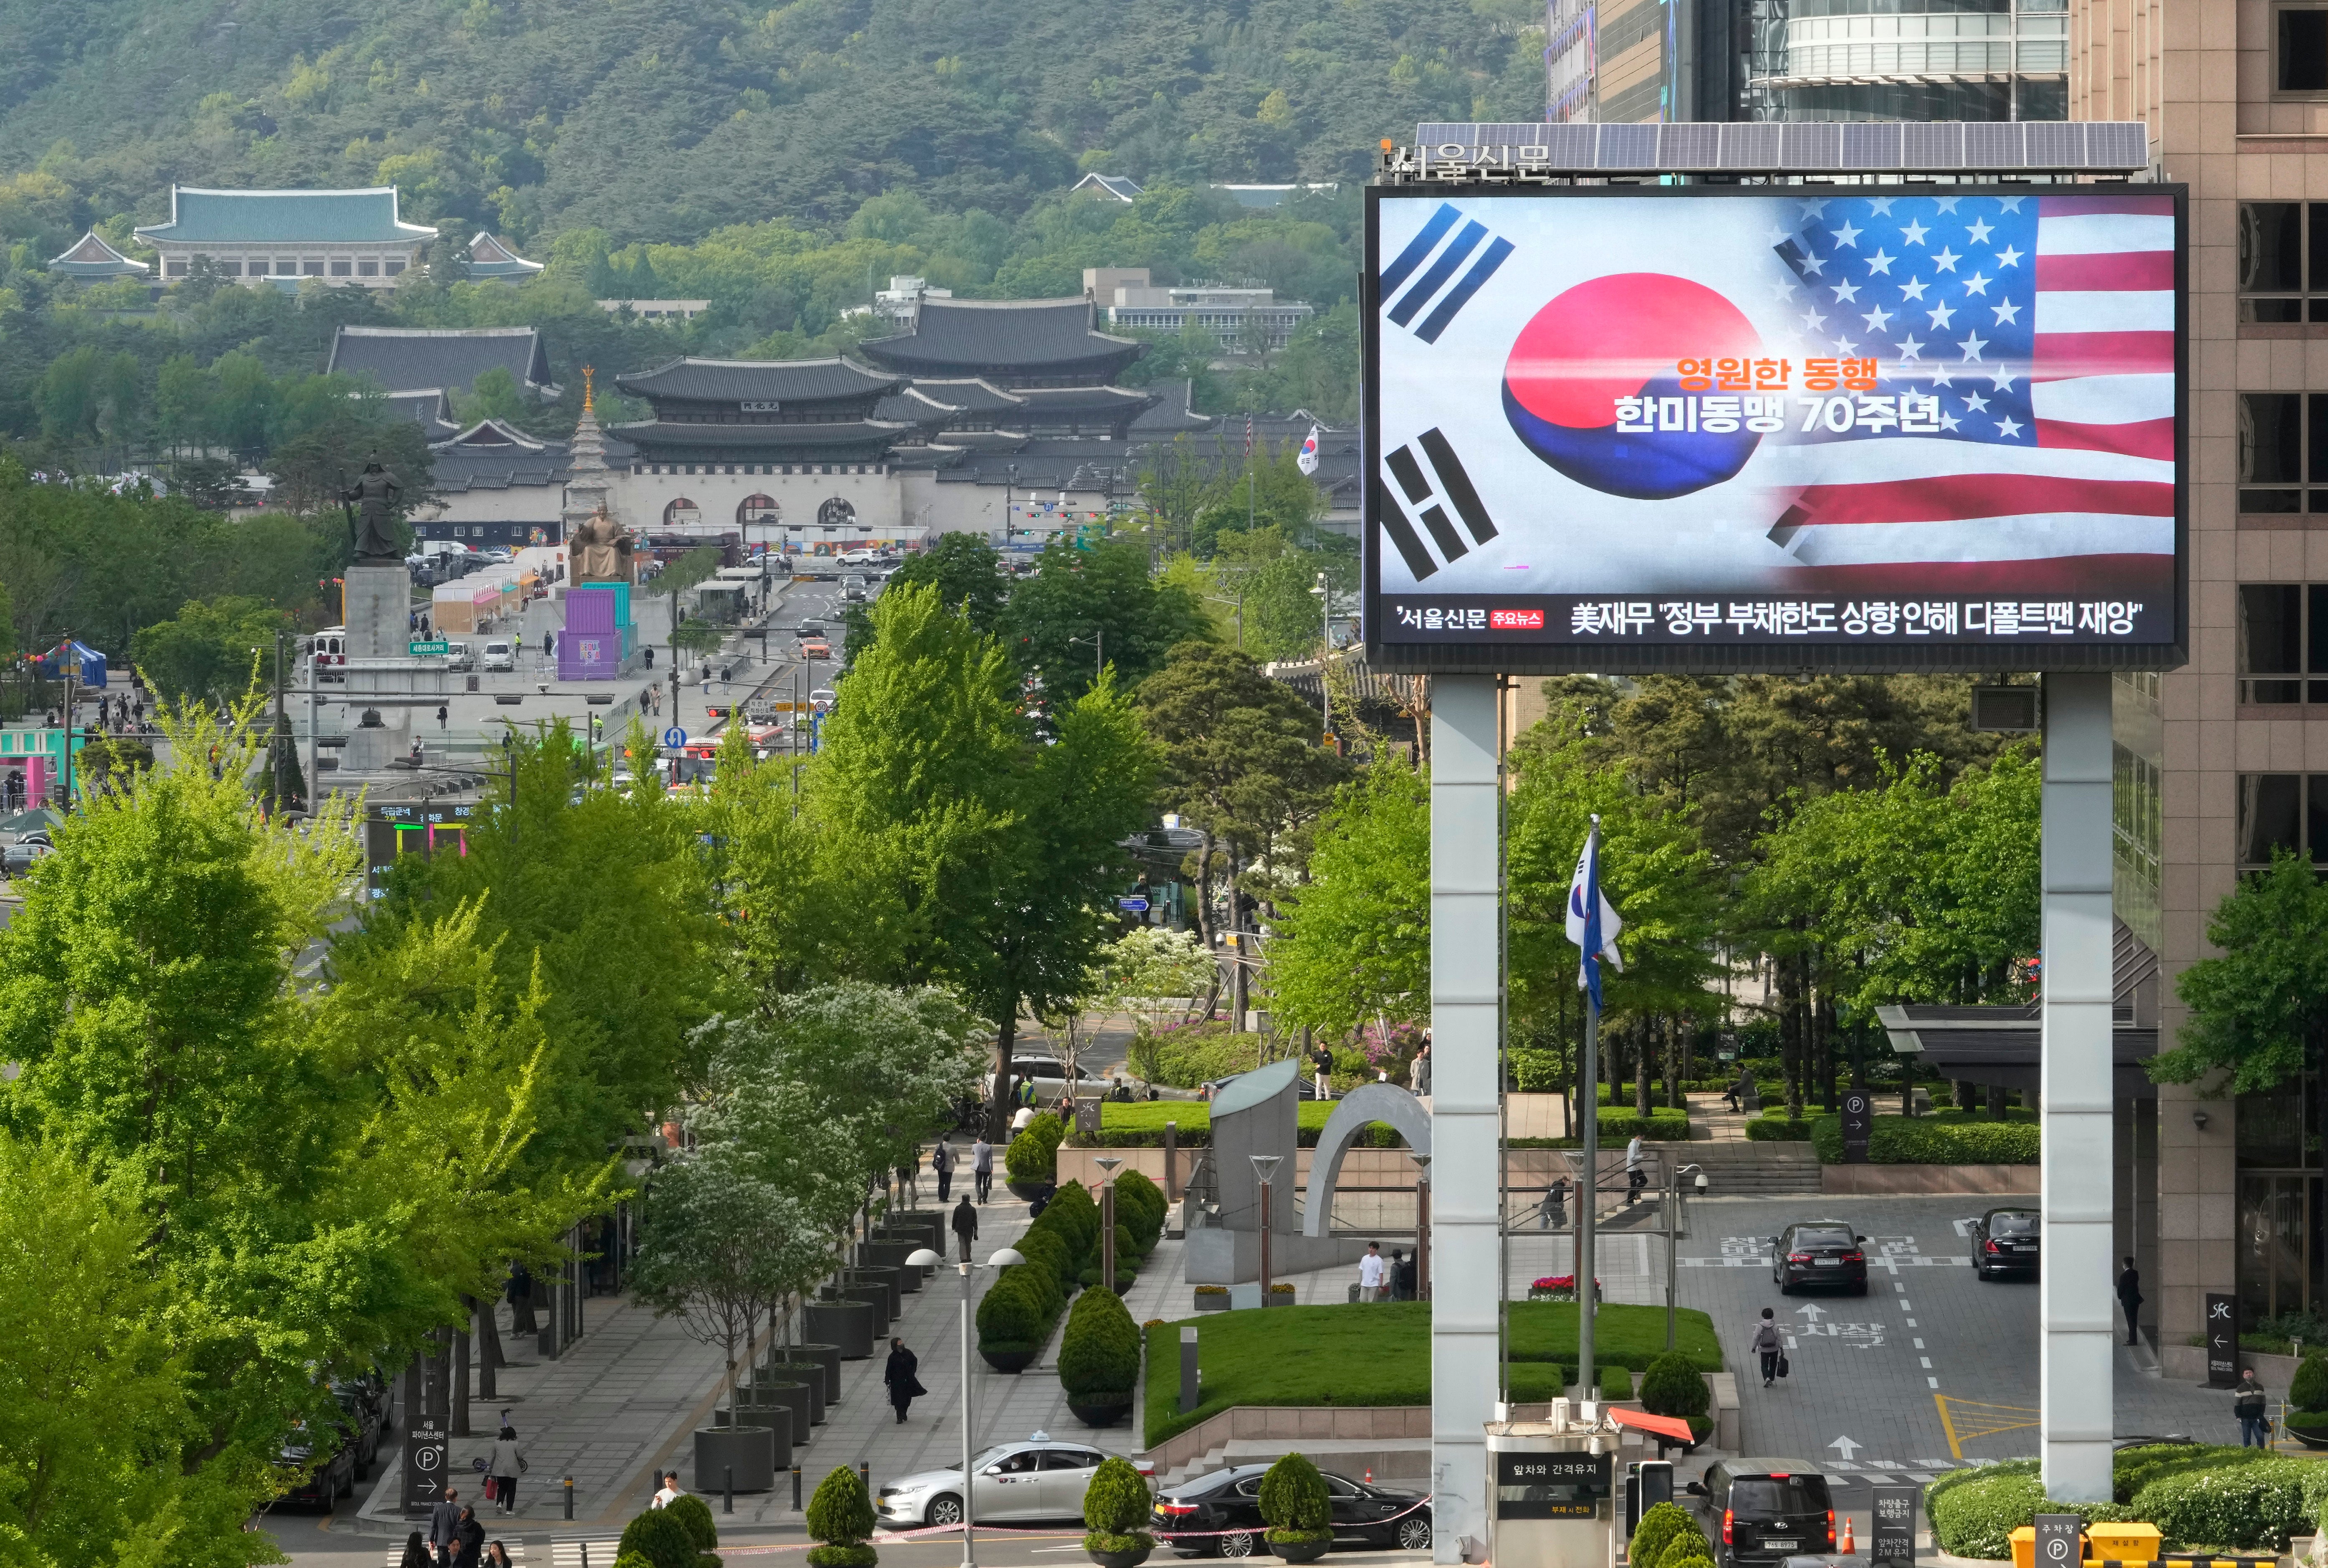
<point x="1308" y="458"/>
<point x="1592" y="922"/>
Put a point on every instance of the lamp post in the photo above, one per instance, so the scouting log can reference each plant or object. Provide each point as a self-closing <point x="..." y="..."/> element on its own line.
<point x="1673" y="1234"/>
<point x="1264" y="1166"/>
<point x="1107" y="1164"/>
<point x="923" y="1258"/>
<point x="1423" y="1227"/>
<point x="1326" y="648"/>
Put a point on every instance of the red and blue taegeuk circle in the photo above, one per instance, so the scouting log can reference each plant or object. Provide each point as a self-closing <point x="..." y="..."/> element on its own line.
<point x="1622" y="335"/>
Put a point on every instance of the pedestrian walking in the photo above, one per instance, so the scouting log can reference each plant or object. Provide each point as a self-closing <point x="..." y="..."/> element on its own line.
<point x="505" y="1466"/>
<point x="520" y="1301"/>
<point x="909" y="1179"/>
<point x="670" y="1492"/>
<point x="982" y="1167"/>
<point x="441" y="717"/>
<point x="445" y="1527"/>
<point x="469" y="1539"/>
<point x="1321" y="1068"/>
<point x="904" y="1387"/>
<point x="2248" y="1402"/>
<point x="2129" y="1297"/>
<point x="1636" y="1177"/>
<point x="549" y="646"/>
<point x="497" y="1555"/>
<point x="416" y="1552"/>
<point x="1769" y="1345"/>
<point x="1418" y="1076"/>
<point x="943" y="1161"/>
<point x="965" y="1225"/>
<point x="1370" y="1273"/>
<point x="1555" y="1211"/>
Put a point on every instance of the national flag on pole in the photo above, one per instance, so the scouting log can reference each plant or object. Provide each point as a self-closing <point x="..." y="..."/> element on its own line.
<point x="1592" y="922"/>
<point x="1307" y="460"/>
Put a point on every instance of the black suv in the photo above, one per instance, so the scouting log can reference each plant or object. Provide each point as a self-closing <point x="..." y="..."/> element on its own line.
<point x="1229" y="1501"/>
<point x="1765" y="1510"/>
<point x="1820" y="1252"/>
<point x="2006" y="1240"/>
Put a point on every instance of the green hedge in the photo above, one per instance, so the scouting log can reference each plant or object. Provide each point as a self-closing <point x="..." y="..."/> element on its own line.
<point x="1191" y="1055"/>
<point x="1140" y="1124"/>
<point x="1673" y="1386"/>
<point x="1939" y="1138"/>
<point x="1619" y="1124"/>
<point x="2198" y="1495"/>
<point x="1770" y="1129"/>
<point x="1099" y="1356"/>
<point x="1033" y="1157"/>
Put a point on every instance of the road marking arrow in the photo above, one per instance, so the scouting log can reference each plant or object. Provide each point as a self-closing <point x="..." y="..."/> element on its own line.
<point x="1845" y="1447"/>
<point x="1813" y="1314"/>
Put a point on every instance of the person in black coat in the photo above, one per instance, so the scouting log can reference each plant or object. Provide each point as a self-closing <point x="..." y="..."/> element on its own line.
<point x="904" y="1387"/>
<point x="2129" y="1297"/>
<point x="965" y="1225"/>
<point x="469" y="1540"/>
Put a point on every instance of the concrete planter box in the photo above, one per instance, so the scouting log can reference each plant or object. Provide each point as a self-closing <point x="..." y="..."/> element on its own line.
<point x="1212" y="1300"/>
<point x="892" y="1255"/>
<point x="809" y="1375"/>
<point x="877" y="1299"/>
<point x="847" y="1325"/>
<point x="789" y="1396"/>
<point x="889" y="1277"/>
<point x="774" y="1420"/>
<point x="826" y="1355"/>
<point x="748" y="1452"/>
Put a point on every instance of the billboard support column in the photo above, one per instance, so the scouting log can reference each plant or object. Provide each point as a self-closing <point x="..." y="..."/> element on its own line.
<point x="2075" y="1086"/>
<point x="1466" y="1016"/>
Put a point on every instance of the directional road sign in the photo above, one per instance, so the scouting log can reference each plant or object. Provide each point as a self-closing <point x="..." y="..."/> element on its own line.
<point x="674" y="737"/>
<point x="429" y="649"/>
<point x="1132" y="905"/>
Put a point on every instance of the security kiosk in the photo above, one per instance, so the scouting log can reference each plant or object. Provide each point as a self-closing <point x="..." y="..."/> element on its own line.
<point x="1549" y="1488"/>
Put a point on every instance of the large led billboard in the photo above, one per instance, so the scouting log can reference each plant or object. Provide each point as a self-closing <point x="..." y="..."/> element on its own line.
<point x="1638" y="428"/>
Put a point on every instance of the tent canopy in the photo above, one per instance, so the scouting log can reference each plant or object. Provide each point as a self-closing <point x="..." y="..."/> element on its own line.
<point x="51" y="665"/>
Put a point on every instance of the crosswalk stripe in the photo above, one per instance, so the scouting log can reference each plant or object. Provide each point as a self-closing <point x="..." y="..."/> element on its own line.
<point x="572" y="1554"/>
<point x="394" y="1557"/>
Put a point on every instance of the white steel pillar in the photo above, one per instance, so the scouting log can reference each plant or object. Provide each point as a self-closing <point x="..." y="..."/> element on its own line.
<point x="1466" y="1016"/>
<point x="2075" y="1091"/>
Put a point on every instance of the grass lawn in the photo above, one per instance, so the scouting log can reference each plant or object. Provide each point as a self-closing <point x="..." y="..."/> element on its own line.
<point x="1381" y="1355"/>
<point x="1140" y="1124"/>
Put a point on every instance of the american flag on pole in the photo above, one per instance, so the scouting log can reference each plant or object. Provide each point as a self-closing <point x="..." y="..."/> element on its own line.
<point x="2037" y="334"/>
<point x="1248" y="436"/>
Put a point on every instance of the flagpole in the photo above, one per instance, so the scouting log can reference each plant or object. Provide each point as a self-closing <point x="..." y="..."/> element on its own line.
<point x="1589" y="1089"/>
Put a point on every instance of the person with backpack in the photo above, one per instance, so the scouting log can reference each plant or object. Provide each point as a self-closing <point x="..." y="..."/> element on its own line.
<point x="1769" y="1347"/>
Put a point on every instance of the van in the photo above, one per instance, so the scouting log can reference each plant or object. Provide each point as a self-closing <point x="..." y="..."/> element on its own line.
<point x="459" y="656"/>
<point x="499" y="656"/>
<point x="1765" y="1510"/>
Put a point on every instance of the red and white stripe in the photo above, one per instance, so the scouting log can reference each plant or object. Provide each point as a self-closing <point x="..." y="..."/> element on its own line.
<point x="2102" y="376"/>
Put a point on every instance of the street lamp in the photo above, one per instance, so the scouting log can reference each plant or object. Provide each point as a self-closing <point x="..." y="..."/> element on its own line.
<point x="1325" y="648"/>
<point x="1673" y="1234"/>
<point x="1107" y="1164"/>
<point x="1264" y="1166"/>
<point x="923" y="1258"/>
<point x="1421" y="1227"/>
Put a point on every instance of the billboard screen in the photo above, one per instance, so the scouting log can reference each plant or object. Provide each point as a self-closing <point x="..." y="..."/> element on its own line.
<point x="1738" y="426"/>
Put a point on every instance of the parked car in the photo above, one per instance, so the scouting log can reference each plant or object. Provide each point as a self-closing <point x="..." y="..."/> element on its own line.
<point x="1049" y="1075"/>
<point x="1190" y="1517"/>
<point x="499" y="655"/>
<point x="367" y="1422"/>
<point x="1820" y="1252"/>
<point x="1036" y="1480"/>
<point x="1763" y="1510"/>
<point x="815" y="648"/>
<point x="459" y="657"/>
<point x="2006" y="1240"/>
<point x="329" y="1480"/>
<point x="27" y="849"/>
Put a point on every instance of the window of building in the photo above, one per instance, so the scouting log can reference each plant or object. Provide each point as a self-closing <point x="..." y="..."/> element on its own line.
<point x="2283" y="639"/>
<point x="2283" y="449"/>
<point x="2299" y="49"/>
<point x="229" y="268"/>
<point x="392" y="266"/>
<point x="311" y="269"/>
<point x="367" y="269"/>
<point x="285" y="268"/>
<point x="344" y="269"/>
<point x="2281" y="810"/>
<point x="2277" y="280"/>
<point x="681" y="511"/>
<point x="174" y="267"/>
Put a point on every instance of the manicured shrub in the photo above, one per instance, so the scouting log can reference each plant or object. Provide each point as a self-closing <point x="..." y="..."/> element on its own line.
<point x="1033" y="1156"/>
<point x="1616" y="1383"/>
<point x="1934" y="1140"/>
<point x="1049" y="1249"/>
<point x="2136" y="1468"/>
<point x="1673" y="1386"/>
<point x="1075" y="1210"/>
<point x="840" y="1519"/>
<point x="1688" y="1545"/>
<point x="1975" y="1511"/>
<point x="1115" y="1504"/>
<point x="632" y="1559"/>
<point x="662" y="1540"/>
<point x="1658" y="1528"/>
<point x="1099" y="1357"/>
<point x="1698" y="1561"/>
<point x="2248" y="1505"/>
<point x="1139" y="1208"/>
<point x="1013" y="1315"/>
<point x="1776" y="1130"/>
<point x="2308" y="1390"/>
<point x="695" y="1514"/>
<point x="1293" y="1500"/>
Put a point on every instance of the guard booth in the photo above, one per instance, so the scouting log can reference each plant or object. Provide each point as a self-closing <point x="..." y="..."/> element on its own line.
<point x="1549" y="1488"/>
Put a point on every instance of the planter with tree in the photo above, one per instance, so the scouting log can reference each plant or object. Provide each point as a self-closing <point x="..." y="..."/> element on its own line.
<point x="1294" y="1504"/>
<point x="1098" y="1358"/>
<point x="840" y="1519"/>
<point x="1030" y="1166"/>
<point x="1115" y="1504"/>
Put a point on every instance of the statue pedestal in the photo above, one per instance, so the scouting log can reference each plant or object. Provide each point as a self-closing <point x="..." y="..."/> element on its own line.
<point x="378" y="606"/>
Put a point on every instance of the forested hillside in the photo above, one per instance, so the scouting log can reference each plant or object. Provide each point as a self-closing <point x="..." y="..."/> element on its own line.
<point x="664" y="119"/>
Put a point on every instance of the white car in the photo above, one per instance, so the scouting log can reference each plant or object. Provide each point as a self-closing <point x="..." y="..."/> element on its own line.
<point x="1035" y="1479"/>
<point x="499" y="655"/>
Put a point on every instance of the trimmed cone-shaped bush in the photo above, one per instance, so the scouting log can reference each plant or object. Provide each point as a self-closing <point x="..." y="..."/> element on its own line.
<point x="663" y="1540"/>
<point x="1688" y="1545"/>
<point x="1049" y="1249"/>
<point x="839" y="1518"/>
<point x="1077" y="1212"/>
<point x="1098" y="1358"/>
<point x="695" y="1514"/>
<point x="2308" y="1390"/>
<point x="1033" y="1155"/>
<point x="1672" y="1387"/>
<point x="1293" y="1500"/>
<point x="1013" y="1314"/>
<point x="1139" y="1206"/>
<point x="1659" y="1528"/>
<point x="1115" y="1504"/>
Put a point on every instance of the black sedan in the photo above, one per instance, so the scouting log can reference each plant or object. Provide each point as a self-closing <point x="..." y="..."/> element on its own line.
<point x="2004" y="1241"/>
<point x="325" y="1479"/>
<point x="1820" y="1252"/>
<point x="1220" y="1515"/>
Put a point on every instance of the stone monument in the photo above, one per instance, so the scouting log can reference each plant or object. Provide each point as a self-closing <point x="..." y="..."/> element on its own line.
<point x="1256" y="1113"/>
<point x="597" y="640"/>
<point x="377" y="604"/>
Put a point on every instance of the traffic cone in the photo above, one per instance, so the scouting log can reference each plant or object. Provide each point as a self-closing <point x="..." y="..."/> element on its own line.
<point x="1849" y="1545"/>
<point x="1370" y="1475"/>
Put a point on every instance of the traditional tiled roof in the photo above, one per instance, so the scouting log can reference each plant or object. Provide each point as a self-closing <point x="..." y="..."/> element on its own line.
<point x="453" y="358"/>
<point x="493" y="455"/>
<point x="364" y="217"/>
<point x="1115" y="185"/>
<point x="429" y="406"/>
<point x="1171" y="413"/>
<point x="491" y="435"/>
<point x="758" y="381"/>
<point x="1009" y="338"/>
<point x="490" y="256"/>
<point x="969" y="393"/>
<point x="91" y="256"/>
<point x="858" y="440"/>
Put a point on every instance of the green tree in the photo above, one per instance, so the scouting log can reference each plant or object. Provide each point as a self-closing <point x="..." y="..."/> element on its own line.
<point x="211" y="651"/>
<point x="1083" y="607"/>
<point x="493" y="395"/>
<point x="967" y="573"/>
<point x="718" y="1248"/>
<point x="1353" y="942"/>
<point x="2259" y="1010"/>
<point x="1274" y="582"/>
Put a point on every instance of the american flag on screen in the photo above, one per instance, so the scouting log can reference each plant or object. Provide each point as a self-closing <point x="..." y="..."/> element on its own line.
<point x="2044" y="328"/>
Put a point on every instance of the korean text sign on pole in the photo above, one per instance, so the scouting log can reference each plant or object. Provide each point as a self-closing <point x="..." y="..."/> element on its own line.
<point x="1632" y="427"/>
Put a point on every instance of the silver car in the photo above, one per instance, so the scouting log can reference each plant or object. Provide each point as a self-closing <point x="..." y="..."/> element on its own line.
<point x="1035" y="1479"/>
